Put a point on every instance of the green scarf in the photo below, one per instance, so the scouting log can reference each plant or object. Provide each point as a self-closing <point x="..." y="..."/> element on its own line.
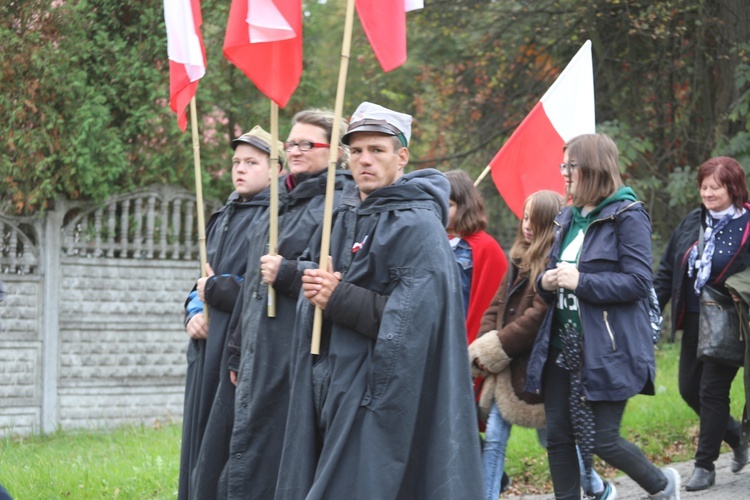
<point x="566" y="307"/>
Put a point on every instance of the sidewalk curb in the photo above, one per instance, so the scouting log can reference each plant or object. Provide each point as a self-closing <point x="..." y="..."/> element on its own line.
<point x="728" y="485"/>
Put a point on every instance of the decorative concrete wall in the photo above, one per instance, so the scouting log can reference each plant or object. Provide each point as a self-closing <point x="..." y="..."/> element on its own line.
<point x="92" y="332"/>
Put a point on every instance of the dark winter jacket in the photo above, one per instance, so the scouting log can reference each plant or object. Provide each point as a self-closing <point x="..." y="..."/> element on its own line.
<point x="226" y="251"/>
<point x="669" y="281"/>
<point x="613" y="290"/>
<point x="507" y="333"/>
<point x="262" y="396"/>
<point x="390" y="417"/>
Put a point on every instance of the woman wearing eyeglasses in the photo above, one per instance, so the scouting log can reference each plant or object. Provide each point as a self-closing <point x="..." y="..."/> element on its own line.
<point x="594" y="350"/>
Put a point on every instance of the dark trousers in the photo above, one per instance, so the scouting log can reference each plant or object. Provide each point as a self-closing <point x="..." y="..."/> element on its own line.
<point x="608" y="444"/>
<point x="705" y="385"/>
<point x="4" y="495"/>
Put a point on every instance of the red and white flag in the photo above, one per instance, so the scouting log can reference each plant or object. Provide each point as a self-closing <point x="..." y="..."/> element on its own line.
<point x="529" y="161"/>
<point x="384" y="23"/>
<point x="187" y="56"/>
<point x="264" y="40"/>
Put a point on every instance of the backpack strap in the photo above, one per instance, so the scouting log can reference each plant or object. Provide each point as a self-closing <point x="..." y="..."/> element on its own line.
<point x="654" y="311"/>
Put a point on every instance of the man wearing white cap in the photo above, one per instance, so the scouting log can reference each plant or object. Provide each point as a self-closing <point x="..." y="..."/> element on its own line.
<point x="386" y="409"/>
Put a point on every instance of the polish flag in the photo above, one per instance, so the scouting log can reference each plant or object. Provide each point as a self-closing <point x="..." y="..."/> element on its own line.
<point x="384" y="23"/>
<point x="264" y="40"/>
<point x="187" y="56"/>
<point x="529" y="161"/>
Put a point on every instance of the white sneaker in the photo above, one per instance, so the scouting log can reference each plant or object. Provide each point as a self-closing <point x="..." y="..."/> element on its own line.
<point x="608" y="493"/>
<point x="672" y="490"/>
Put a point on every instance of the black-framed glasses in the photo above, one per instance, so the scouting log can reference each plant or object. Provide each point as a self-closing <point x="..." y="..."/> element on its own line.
<point x="304" y="145"/>
<point x="570" y="166"/>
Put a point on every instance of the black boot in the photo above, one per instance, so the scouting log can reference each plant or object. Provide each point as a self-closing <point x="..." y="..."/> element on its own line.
<point x="701" y="479"/>
<point x="740" y="457"/>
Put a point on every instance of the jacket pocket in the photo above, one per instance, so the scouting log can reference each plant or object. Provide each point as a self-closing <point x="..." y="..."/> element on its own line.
<point x="393" y="326"/>
<point x="194" y="350"/>
<point x="597" y="254"/>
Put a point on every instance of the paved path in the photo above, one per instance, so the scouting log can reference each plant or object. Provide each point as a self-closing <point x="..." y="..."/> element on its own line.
<point x="729" y="486"/>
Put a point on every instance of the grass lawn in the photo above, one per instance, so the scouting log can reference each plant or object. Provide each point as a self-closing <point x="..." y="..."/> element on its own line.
<point x="130" y="462"/>
<point x="143" y="462"/>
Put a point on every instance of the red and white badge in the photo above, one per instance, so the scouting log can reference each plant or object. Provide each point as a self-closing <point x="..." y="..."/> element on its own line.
<point x="358" y="245"/>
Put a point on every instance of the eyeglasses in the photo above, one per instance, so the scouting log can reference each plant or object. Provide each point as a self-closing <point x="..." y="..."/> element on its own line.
<point x="570" y="166"/>
<point x="304" y="145"/>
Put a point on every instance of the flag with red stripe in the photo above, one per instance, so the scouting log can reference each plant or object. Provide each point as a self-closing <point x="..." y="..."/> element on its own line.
<point x="384" y="23"/>
<point x="529" y="161"/>
<point x="187" y="55"/>
<point x="264" y="40"/>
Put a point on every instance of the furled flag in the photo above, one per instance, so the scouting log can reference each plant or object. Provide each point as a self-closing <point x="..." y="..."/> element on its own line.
<point x="529" y="161"/>
<point x="264" y="40"/>
<point x="187" y="56"/>
<point x="384" y="23"/>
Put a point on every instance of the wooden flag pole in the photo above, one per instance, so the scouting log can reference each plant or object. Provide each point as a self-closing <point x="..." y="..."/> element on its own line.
<point x="273" y="229"/>
<point x="325" y="245"/>
<point x="199" y="194"/>
<point x="482" y="175"/>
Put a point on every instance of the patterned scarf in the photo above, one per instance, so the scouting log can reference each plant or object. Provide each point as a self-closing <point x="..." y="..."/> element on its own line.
<point x="703" y="265"/>
<point x="581" y="414"/>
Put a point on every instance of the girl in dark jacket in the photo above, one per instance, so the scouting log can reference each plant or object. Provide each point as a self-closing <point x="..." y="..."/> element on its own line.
<point x="705" y="385"/>
<point x="507" y="333"/>
<point x="594" y="349"/>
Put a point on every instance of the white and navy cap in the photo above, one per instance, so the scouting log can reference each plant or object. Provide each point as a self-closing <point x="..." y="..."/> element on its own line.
<point x="370" y="117"/>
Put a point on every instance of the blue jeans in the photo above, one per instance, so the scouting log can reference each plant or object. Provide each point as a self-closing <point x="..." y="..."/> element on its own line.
<point x="497" y="433"/>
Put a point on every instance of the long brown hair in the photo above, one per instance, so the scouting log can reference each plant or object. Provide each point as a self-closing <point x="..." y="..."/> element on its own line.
<point x="470" y="213"/>
<point x="531" y="257"/>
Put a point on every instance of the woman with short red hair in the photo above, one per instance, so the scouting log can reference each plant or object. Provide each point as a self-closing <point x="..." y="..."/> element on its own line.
<point x="686" y="267"/>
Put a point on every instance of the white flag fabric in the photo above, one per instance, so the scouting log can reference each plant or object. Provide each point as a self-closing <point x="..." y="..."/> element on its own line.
<point x="266" y="23"/>
<point x="410" y="5"/>
<point x="183" y="44"/>
<point x="569" y="102"/>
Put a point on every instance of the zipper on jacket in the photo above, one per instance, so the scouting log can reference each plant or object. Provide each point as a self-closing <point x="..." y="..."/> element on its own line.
<point x="605" y="314"/>
<point x="609" y="331"/>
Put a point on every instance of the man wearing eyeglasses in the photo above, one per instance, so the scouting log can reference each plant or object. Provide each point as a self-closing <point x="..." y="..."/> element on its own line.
<point x="386" y="409"/>
<point x="260" y="348"/>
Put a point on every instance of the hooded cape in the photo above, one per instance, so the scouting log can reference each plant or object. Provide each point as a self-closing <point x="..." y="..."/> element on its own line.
<point x="262" y="395"/>
<point x="226" y="251"/>
<point x="392" y="417"/>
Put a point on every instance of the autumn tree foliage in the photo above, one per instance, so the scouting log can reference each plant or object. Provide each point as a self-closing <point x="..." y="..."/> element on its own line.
<point x="670" y="75"/>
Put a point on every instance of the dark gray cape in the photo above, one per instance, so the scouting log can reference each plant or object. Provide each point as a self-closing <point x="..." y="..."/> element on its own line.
<point x="262" y="396"/>
<point x="391" y="418"/>
<point x="226" y="251"/>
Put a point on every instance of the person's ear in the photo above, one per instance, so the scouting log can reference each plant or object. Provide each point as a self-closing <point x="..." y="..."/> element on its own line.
<point x="403" y="157"/>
